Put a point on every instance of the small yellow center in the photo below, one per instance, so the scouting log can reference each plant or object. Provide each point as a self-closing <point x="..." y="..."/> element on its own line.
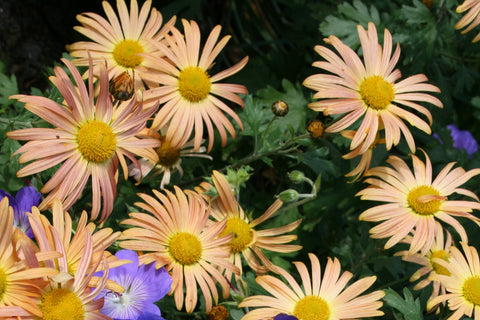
<point x="312" y="308"/>
<point x="60" y="304"/>
<point x="3" y="284"/>
<point x="185" y="248"/>
<point x="424" y="200"/>
<point x="167" y="155"/>
<point x="126" y="53"/>
<point x="376" y="92"/>
<point x="442" y="254"/>
<point x="194" y="84"/>
<point x="96" y="141"/>
<point x="242" y="235"/>
<point x="471" y="290"/>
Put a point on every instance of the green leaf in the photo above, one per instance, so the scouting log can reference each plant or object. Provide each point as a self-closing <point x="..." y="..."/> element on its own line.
<point x="409" y="307"/>
<point x="8" y="87"/>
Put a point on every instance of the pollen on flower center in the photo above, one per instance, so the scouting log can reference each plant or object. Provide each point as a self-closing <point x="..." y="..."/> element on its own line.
<point x="312" y="308"/>
<point x="471" y="290"/>
<point x="3" y="283"/>
<point x="126" y="53"/>
<point x="96" y="141"/>
<point x="194" y="84"/>
<point x="167" y="155"/>
<point x="376" y="92"/>
<point x="242" y="235"/>
<point x="424" y="200"/>
<point x="61" y="304"/>
<point x="442" y="254"/>
<point x="185" y="248"/>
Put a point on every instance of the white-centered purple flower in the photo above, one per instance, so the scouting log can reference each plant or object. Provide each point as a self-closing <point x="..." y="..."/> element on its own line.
<point x="25" y="199"/>
<point x="462" y="139"/>
<point x="144" y="285"/>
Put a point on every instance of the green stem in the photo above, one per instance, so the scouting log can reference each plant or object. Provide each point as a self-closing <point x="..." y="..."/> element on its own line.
<point x="262" y="138"/>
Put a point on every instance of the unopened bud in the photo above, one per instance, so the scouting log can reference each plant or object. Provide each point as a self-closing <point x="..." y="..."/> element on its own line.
<point x="288" y="195"/>
<point x="121" y="87"/>
<point x="280" y="108"/>
<point x="316" y="129"/>
<point x="296" y="176"/>
<point x="218" y="313"/>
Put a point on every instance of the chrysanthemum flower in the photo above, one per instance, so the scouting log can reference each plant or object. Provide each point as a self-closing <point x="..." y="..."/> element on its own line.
<point x="369" y="92"/>
<point x="440" y="249"/>
<point x="144" y="285"/>
<point x="317" y="299"/>
<point x="365" y="157"/>
<point x="462" y="283"/>
<point x="20" y="282"/>
<point x="24" y="200"/>
<point x="90" y="138"/>
<point x="471" y="18"/>
<point x="414" y="202"/>
<point x="188" y="91"/>
<point x="120" y="43"/>
<point x="176" y="236"/>
<point x="169" y="157"/>
<point x="247" y="241"/>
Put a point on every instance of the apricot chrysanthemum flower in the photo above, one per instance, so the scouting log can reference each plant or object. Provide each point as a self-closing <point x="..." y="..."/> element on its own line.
<point x="247" y="241"/>
<point x="462" y="283"/>
<point x="90" y="138"/>
<point x="188" y="91"/>
<point x="471" y="18"/>
<point x="319" y="299"/>
<point x="440" y="249"/>
<point x="413" y="202"/>
<point x="119" y="43"/>
<point x="169" y="157"/>
<point x="369" y="92"/>
<point x="20" y="282"/>
<point x="176" y="237"/>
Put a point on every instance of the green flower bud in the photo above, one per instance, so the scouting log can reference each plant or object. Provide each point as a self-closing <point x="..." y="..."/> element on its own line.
<point x="296" y="176"/>
<point x="288" y="195"/>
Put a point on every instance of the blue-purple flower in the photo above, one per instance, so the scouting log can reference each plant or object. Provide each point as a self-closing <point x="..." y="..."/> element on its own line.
<point x="25" y="199"/>
<point x="462" y="139"/>
<point x="283" y="316"/>
<point x="144" y="285"/>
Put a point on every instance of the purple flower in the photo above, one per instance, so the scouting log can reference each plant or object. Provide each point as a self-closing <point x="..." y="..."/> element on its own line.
<point x="282" y="316"/>
<point x="144" y="285"/>
<point x="25" y="199"/>
<point x="463" y="139"/>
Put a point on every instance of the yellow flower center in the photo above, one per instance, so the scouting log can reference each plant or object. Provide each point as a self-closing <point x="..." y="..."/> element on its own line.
<point x="442" y="254"/>
<point x="60" y="304"/>
<point x="96" y="141"/>
<point x="185" y="248"/>
<point x="312" y="308"/>
<point x="167" y="155"/>
<point x="3" y="283"/>
<point x="194" y="84"/>
<point x="471" y="290"/>
<point x="376" y="92"/>
<point x="424" y="200"/>
<point x="242" y="235"/>
<point x="126" y="53"/>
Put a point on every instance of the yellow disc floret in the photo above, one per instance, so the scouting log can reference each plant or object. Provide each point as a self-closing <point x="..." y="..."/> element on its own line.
<point x="126" y="53"/>
<point x="60" y="304"/>
<point x="168" y="156"/>
<point x="185" y="248"/>
<point x="312" y="308"/>
<point x="242" y="234"/>
<point x="376" y="92"/>
<point x="441" y="254"/>
<point x="3" y="284"/>
<point x="471" y="290"/>
<point x="96" y="141"/>
<point x="424" y="200"/>
<point x="194" y="84"/>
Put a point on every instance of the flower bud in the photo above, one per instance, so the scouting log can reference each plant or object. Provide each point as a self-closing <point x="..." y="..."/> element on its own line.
<point x="218" y="312"/>
<point x="280" y="108"/>
<point x="296" y="176"/>
<point x="316" y="129"/>
<point x="121" y="87"/>
<point x="288" y="195"/>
